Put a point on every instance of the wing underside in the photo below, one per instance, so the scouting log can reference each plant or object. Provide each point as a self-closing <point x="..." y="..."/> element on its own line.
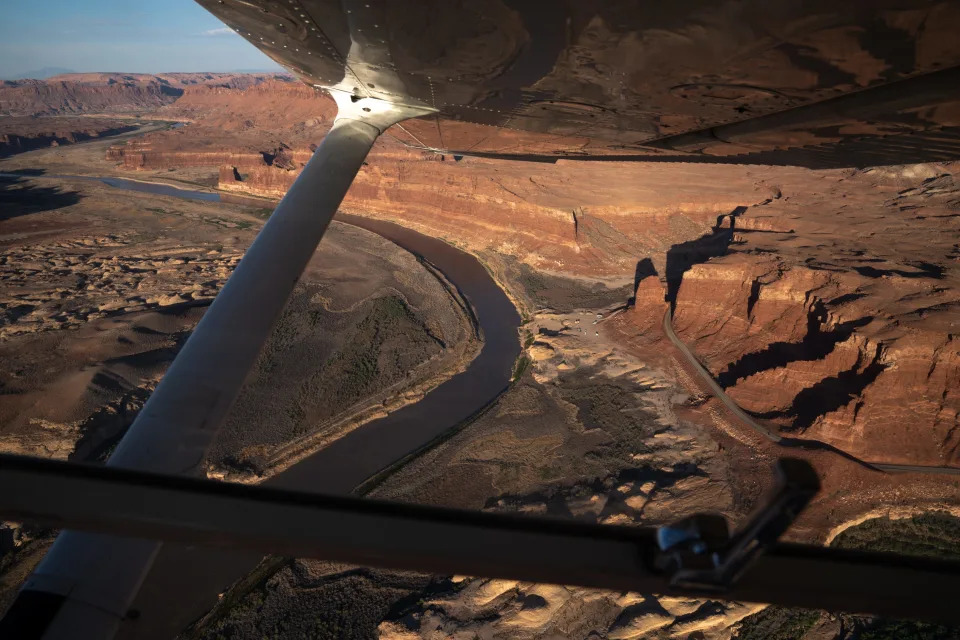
<point x="848" y="83"/>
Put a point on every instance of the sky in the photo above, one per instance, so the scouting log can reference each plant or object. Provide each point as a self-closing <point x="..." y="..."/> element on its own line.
<point x="136" y="36"/>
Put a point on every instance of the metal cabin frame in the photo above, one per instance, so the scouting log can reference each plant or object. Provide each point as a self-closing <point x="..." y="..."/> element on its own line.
<point x="116" y="516"/>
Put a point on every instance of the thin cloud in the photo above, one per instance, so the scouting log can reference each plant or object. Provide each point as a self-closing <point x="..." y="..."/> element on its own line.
<point x="222" y="31"/>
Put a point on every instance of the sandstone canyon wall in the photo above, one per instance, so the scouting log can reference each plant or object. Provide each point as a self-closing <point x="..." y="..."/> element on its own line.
<point x="116" y="93"/>
<point x="24" y="134"/>
<point x="824" y="301"/>
<point x="838" y="322"/>
<point x="77" y="107"/>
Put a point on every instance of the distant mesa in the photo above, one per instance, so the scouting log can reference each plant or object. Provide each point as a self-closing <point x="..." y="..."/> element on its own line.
<point x="111" y="93"/>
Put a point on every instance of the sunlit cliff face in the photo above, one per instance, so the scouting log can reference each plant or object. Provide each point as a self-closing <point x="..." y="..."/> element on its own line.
<point x="823" y="300"/>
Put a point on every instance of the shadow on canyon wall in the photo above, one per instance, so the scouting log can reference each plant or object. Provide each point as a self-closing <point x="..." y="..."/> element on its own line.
<point x="831" y="393"/>
<point x="681" y="257"/>
<point x="644" y="270"/>
<point x="818" y="342"/>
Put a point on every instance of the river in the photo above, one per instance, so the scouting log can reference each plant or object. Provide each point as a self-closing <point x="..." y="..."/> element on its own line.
<point x="127" y="185"/>
<point x="185" y="582"/>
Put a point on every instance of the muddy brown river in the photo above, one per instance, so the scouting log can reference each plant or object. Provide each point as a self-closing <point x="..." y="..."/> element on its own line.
<point x="186" y="581"/>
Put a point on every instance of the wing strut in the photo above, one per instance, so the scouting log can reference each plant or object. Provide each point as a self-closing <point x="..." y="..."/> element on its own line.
<point x="695" y="557"/>
<point x="94" y="577"/>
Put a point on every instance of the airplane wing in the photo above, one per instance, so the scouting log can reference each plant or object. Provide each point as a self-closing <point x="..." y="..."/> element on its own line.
<point x="813" y="83"/>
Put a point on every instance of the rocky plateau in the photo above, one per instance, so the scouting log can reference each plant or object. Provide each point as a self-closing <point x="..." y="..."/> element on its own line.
<point x="788" y="283"/>
<point x="824" y="302"/>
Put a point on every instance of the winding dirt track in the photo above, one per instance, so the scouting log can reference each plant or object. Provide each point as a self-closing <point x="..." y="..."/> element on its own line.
<point x="775" y="437"/>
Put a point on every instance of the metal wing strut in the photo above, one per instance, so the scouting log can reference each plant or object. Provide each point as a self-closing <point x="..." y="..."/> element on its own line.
<point x="98" y="575"/>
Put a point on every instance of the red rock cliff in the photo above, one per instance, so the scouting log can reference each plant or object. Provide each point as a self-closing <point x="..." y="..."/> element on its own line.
<point x="826" y="302"/>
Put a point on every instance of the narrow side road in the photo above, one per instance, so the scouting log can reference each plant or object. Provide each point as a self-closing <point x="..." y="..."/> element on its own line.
<point x="800" y="443"/>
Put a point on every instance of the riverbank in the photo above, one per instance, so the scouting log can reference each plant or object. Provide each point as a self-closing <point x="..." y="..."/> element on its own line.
<point x="84" y="203"/>
<point x="457" y="357"/>
<point x="466" y="288"/>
